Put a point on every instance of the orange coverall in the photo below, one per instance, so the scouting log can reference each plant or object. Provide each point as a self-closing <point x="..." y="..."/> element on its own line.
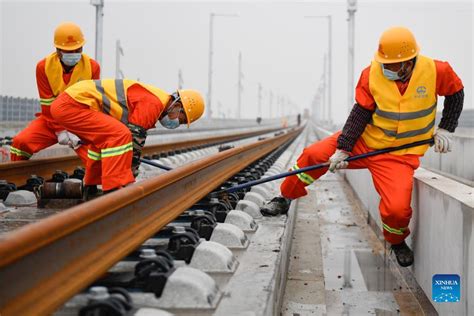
<point x="392" y="175"/>
<point x="102" y="131"/>
<point x="41" y="132"/>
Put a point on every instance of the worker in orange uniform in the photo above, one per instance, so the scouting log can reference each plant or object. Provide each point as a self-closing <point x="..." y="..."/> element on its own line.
<point x="112" y="116"/>
<point x="395" y="105"/>
<point x="61" y="69"/>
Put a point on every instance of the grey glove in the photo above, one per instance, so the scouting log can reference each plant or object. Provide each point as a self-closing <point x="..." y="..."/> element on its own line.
<point x="337" y="160"/>
<point x="139" y="137"/>
<point x="443" y="141"/>
<point x="69" y="139"/>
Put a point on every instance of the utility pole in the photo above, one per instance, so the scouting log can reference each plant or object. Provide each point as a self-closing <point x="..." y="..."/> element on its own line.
<point x="280" y="106"/>
<point x="322" y="93"/>
<point x="329" y="62"/>
<point x="270" y="103"/>
<point x="330" y="69"/>
<point x="180" y="79"/>
<point x="118" y="52"/>
<point x="259" y="99"/>
<point x="211" y="53"/>
<point x="351" y="9"/>
<point x="209" y="78"/>
<point x="240" y="88"/>
<point x="314" y="107"/>
<point x="277" y="107"/>
<point x="99" y="19"/>
<point x="325" y="105"/>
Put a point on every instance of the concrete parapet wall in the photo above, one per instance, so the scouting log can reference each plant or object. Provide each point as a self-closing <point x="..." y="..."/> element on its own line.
<point x="442" y="229"/>
<point x="457" y="163"/>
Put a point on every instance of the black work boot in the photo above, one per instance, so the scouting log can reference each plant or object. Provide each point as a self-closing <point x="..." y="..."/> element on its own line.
<point x="278" y="205"/>
<point x="403" y="253"/>
<point x="91" y="192"/>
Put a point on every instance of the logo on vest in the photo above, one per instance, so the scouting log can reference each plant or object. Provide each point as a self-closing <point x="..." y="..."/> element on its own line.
<point x="421" y="92"/>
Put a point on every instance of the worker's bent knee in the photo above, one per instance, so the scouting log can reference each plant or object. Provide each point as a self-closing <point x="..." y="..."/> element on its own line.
<point x="122" y="134"/>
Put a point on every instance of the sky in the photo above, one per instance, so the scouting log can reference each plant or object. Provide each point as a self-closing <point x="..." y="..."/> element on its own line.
<point x="281" y="49"/>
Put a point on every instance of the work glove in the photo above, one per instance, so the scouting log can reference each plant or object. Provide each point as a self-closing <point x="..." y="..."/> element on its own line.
<point x="443" y="141"/>
<point x="337" y="160"/>
<point x="139" y="137"/>
<point x="69" y="139"/>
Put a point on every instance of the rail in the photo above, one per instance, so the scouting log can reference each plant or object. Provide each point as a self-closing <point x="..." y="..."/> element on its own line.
<point x="47" y="262"/>
<point x="19" y="171"/>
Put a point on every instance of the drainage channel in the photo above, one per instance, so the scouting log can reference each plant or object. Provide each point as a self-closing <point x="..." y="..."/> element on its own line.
<point x="185" y="267"/>
<point x="39" y="197"/>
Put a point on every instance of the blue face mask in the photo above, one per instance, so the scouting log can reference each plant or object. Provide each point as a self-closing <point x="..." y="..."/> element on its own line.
<point x="169" y="123"/>
<point x="71" y="59"/>
<point x="391" y="75"/>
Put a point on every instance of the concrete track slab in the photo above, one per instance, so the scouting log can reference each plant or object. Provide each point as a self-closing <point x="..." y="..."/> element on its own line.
<point x="337" y="264"/>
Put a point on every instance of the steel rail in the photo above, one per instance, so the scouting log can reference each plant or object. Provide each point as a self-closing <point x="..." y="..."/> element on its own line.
<point x="19" y="171"/>
<point x="45" y="263"/>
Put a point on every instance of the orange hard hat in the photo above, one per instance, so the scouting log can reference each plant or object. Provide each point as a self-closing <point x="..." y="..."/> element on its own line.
<point x="68" y="36"/>
<point x="193" y="104"/>
<point x="396" y="44"/>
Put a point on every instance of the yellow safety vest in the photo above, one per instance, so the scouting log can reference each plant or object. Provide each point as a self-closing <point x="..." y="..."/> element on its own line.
<point x="110" y="95"/>
<point x="54" y="72"/>
<point x="402" y="119"/>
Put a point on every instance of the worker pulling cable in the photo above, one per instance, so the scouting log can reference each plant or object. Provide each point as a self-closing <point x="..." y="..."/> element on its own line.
<point x="396" y="99"/>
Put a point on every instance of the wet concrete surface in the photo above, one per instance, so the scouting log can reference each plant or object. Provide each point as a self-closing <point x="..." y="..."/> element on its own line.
<point x="356" y="275"/>
<point x="15" y="217"/>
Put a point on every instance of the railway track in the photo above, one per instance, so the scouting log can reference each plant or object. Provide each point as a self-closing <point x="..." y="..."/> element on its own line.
<point x="19" y="172"/>
<point x="63" y="254"/>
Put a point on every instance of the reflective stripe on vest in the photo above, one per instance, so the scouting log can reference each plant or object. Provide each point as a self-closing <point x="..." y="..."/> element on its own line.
<point x="413" y="133"/>
<point x="404" y="116"/>
<point x="54" y="72"/>
<point x="402" y="119"/>
<point x="119" y="101"/>
<point x="110" y="95"/>
<point x="303" y="177"/>
<point x="116" y="151"/>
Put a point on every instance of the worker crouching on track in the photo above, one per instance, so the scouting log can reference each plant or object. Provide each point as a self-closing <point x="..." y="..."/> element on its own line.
<point x="58" y="71"/>
<point x="106" y="114"/>
<point x="395" y="105"/>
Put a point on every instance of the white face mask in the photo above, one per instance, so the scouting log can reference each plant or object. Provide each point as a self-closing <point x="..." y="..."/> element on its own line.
<point x="169" y="123"/>
<point x="71" y="59"/>
<point x="389" y="74"/>
<point x="166" y="121"/>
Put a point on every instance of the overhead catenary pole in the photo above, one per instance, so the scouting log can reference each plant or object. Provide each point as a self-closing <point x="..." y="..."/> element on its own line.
<point x="180" y="79"/>
<point x="270" y="104"/>
<point x="118" y="52"/>
<point x="211" y="53"/>
<point x="324" y="77"/>
<point x="259" y="99"/>
<point x="99" y="17"/>
<point x="328" y="76"/>
<point x="279" y="106"/>
<point x="351" y="9"/>
<point x="239" y="88"/>
<point x="209" y="78"/>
